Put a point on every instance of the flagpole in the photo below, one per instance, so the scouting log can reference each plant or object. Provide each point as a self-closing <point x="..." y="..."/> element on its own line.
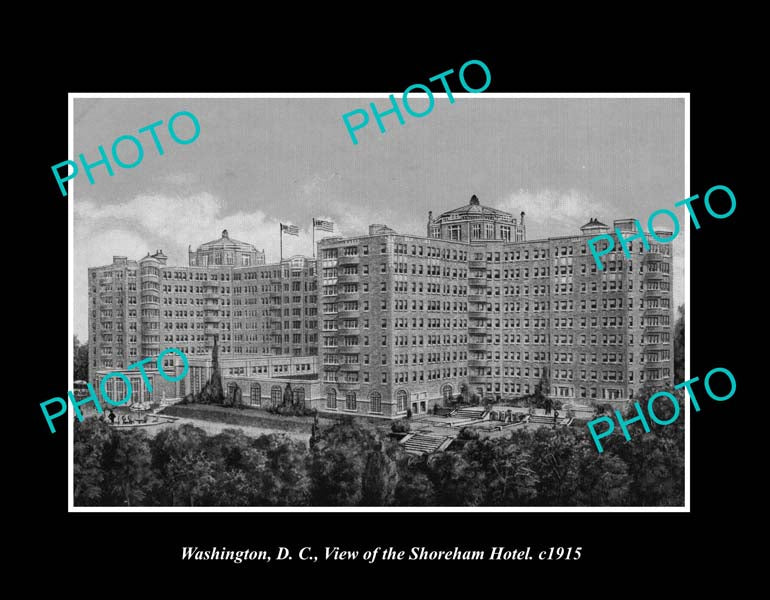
<point x="313" y="237"/>
<point x="280" y="262"/>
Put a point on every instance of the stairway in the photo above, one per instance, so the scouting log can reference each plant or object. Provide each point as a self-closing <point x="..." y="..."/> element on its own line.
<point x="469" y="413"/>
<point x="423" y="443"/>
<point x="546" y="420"/>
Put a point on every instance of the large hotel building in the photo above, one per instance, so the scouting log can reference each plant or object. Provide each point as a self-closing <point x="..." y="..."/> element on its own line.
<point x="382" y="323"/>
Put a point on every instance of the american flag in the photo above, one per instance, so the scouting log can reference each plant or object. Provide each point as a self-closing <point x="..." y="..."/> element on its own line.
<point x="323" y="225"/>
<point x="290" y="229"/>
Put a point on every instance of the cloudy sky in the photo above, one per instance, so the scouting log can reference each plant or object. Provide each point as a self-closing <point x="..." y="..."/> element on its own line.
<point x="262" y="161"/>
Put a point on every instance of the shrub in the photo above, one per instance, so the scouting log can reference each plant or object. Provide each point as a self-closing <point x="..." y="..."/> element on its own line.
<point x="400" y="426"/>
<point x="188" y="399"/>
<point x="293" y="410"/>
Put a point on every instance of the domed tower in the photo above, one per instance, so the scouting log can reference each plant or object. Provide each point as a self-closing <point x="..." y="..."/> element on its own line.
<point x="149" y="278"/>
<point x="475" y="223"/>
<point x="226" y="252"/>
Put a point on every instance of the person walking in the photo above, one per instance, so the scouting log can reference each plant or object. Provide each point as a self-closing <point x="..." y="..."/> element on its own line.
<point x="111" y="417"/>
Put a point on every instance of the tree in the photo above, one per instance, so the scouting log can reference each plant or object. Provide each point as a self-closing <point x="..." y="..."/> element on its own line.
<point x="288" y="396"/>
<point x="191" y="477"/>
<point x="654" y="459"/>
<point x="542" y="389"/>
<point x="679" y="346"/>
<point x="554" y="461"/>
<point x="508" y="478"/>
<point x="379" y="479"/>
<point x="414" y="487"/>
<point x="464" y="391"/>
<point x="237" y="470"/>
<point x="456" y="482"/>
<point x="130" y="477"/>
<point x="284" y="480"/>
<point x="91" y="437"/>
<point x="337" y="463"/>
<point x="603" y="480"/>
<point x="212" y="392"/>
<point x="172" y="449"/>
<point x="314" y="430"/>
<point x="80" y="360"/>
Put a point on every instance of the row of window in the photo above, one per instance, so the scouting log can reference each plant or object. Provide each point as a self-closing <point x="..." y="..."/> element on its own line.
<point x="398" y="248"/>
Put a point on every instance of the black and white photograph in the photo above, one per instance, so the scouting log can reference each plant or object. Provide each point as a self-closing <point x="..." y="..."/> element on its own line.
<point x="352" y="314"/>
<point x="418" y="317"/>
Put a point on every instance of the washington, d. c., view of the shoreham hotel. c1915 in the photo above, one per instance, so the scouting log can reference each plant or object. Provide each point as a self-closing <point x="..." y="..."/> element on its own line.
<point x="383" y="323"/>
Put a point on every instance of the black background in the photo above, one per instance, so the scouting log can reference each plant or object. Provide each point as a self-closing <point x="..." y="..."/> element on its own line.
<point x="115" y="548"/>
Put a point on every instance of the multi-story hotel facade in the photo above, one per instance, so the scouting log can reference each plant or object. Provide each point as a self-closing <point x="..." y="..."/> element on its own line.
<point x="398" y="322"/>
<point x="139" y="308"/>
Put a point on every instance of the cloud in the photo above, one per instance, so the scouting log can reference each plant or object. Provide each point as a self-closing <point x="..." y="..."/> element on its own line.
<point x="340" y="203"/>
<point x="350" y="219"/>
<point x="552" y="213"/>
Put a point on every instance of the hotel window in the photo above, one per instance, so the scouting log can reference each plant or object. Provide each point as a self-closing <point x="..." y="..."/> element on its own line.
<point x="455" y="232"/>
<point x="505" y="233"/>
<point x="276" y="395"/>
<point x="489" y="232"/>
<point x="299" y="396"/>
<point x="401" y="401"/>
<point x="350" y="401"/>
<point x="256" y="395"/>
<point x="375" y="402"/>
<point x="331" y="399"/>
